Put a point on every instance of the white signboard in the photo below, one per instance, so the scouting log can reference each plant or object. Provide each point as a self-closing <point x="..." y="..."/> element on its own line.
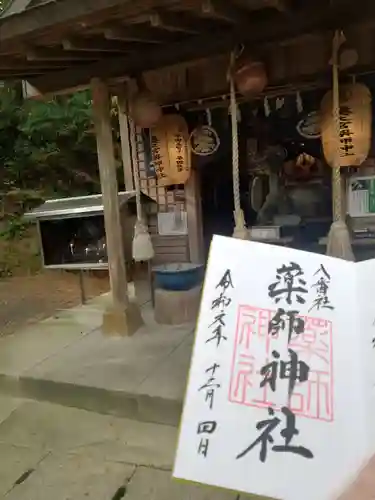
<point x="172" y="223"/>
<point x="361" y="196"/>
<point x="275" y="403"/>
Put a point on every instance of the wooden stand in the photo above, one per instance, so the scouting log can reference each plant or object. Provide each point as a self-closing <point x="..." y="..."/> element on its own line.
<point x="177" y="308"/>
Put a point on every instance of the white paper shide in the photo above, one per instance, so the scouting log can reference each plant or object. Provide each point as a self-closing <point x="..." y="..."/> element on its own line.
<point x="276" y="398"/>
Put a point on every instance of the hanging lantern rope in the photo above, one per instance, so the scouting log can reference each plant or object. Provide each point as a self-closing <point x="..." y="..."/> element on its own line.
<point x="336" y="172"/>
<point x="339" y="244"/>
<point x="142" y="244"/>
<point x="240" y="230"/>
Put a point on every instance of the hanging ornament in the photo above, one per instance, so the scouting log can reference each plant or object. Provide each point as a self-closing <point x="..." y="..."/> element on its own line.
<point x="299" y="103"/>
<point x="204" y="140"/>
<point x="334" y="130"/>
<point x="280" y="101"/>
<point x="267" y="109"/>
<point x="145" y="111"/>
<point x="355" y="126"/>
<point x="257" y="194"/>
<point x="348" y="58"/>
<point x="171" y="151"/>
<point x="142" y="248"/>
<point x="240" y="230"/>
<point x="249" y="76"/>
<point x="305" y="161"/>
<point x="143" y="108"/>
<point x="309" y="126"/>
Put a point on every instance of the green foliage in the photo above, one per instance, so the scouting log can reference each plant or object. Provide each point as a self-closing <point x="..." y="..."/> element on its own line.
<point x="15" y="227"/>
<point x="48" y="145"/>
<point x="47" y="149"/>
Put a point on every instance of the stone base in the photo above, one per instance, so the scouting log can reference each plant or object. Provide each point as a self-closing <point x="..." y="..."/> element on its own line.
<point x="177" y="308"/>
<point x="122" y="322"/>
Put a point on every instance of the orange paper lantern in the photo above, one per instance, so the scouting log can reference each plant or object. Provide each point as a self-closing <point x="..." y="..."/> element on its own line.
<point x="355" y="126"/>
<point x="171" y="151"/>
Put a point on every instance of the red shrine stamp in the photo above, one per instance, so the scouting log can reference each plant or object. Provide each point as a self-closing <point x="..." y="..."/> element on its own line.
<point x="254" y="348"/>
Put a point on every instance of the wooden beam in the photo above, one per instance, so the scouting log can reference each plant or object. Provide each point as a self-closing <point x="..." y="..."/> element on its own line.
<point x="122" y="106"/>
<point x="264" y="31"/>
<point x="70" y="12"/>
<point x="280" y="5"/>
<point x="223" y="10"/>
<point x="42" y="54"/>
<point x="134" y="34"/>
<point x="124" y="318"/>
<point x="23" y="64"/>
<point x="94" y="45"/>
<point x="17" y="74"/>
<point x="171" y="21"/>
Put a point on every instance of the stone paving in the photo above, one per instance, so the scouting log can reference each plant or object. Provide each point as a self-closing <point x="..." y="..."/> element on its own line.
<point x="67" y="360"/>
<point x="50" y="452"/>
<point x="53" y="452"/>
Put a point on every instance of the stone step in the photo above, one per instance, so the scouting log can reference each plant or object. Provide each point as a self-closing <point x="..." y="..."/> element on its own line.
<point x="135" y="406"/>
<point x="68" y="361"/>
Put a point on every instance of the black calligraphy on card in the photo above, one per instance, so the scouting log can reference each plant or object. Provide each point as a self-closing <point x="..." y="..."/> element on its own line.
<point x="289" y="284"/>
<point x="294" y="371"/>
<point x="217" y="334"/>
<point x="211" y="384"/>
<point x="205" y="429"/>
<point x="286" y="320"/>
<point x="219" y="307"/>
<point x="291" y="287"/>
<point x="321" y="288"/>
<point x="266" y="437"/>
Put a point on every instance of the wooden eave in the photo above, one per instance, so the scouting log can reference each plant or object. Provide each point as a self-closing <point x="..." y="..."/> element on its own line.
<point x="60" y="45"/>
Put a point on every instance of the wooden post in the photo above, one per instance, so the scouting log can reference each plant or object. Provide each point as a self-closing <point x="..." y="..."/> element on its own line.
<point x="194" y="218"/>
<point x="122" y="103"/>
<point x="123" y="318"/>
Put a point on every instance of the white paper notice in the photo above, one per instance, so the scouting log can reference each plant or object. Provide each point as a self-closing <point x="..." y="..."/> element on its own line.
<point x="275" y="400"/>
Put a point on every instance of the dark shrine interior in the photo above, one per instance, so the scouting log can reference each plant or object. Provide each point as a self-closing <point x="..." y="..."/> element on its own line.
<point x="269" y="142"/>
<point x="73" y="240"/>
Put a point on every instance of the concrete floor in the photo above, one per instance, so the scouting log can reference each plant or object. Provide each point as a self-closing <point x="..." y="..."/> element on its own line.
<point x="54" y="452"/>
<point x="66" y="360"/>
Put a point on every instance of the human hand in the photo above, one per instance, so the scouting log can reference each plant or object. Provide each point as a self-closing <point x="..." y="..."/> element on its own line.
<point x="363" y="488"/>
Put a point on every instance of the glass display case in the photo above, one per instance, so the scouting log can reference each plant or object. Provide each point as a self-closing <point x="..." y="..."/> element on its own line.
<point x="72" y="231"/>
